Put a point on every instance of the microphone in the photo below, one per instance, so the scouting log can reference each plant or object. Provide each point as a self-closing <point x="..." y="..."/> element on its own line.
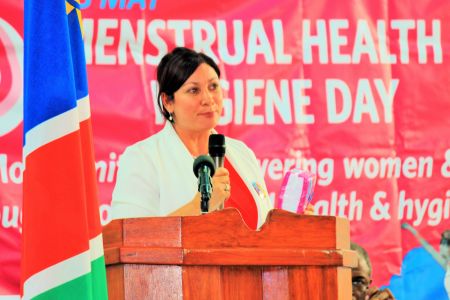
<point x="216" y="148"/>
<point x="203" y="170"/>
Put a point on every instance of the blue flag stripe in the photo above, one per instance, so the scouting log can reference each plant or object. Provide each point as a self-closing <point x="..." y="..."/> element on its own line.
<point x="79" y="61"/>
<point x="54" y="84"/>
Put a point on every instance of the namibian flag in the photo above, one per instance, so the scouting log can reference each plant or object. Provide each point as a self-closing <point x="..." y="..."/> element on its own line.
<point x="62" y="250"/>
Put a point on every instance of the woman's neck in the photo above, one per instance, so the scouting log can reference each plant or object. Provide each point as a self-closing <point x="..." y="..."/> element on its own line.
<point x="195" y="142"/>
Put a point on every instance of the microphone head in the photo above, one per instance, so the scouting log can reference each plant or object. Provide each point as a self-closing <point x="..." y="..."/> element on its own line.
<point x="204" y="160"/>
<point x="216" y="145"/>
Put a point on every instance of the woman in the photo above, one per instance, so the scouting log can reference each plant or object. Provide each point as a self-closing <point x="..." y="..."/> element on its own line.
<point x="155" y="176"/>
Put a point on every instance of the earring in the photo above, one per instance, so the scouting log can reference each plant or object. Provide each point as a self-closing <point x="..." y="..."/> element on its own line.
<point x="170" y="117"/>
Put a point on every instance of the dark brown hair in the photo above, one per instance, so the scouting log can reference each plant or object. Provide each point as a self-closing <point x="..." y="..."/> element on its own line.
<point x="175" y="68"/>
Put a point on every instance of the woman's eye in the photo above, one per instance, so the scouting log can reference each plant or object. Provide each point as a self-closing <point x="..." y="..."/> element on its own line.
<point x="193" y="90"/>
<point x="214" y="86"/>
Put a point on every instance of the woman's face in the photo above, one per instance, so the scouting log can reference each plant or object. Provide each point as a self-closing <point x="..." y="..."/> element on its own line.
<point x="197" y="104"/>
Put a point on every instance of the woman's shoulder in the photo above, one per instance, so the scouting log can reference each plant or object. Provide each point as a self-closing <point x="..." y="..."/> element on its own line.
<point x="238" y="147"/>
<point x="235" y="143"/>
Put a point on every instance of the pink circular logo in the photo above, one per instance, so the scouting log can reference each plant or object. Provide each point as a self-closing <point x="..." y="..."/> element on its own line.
<point x="11" y="82"/>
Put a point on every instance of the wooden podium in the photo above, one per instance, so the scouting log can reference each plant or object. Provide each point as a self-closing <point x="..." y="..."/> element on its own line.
<point x="216" y="256"/>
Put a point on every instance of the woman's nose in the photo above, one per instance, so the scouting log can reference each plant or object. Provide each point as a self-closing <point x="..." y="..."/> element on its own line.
<point x="207" y="98"/>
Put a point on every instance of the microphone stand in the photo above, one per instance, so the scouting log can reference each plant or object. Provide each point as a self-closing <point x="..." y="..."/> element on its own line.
<point x="205" y="188"/>
<point x="204" y="204"/>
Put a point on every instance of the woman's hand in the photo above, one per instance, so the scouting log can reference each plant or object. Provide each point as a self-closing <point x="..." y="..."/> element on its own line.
<point x="221" y="188"/>
<point x="220" y="193"/>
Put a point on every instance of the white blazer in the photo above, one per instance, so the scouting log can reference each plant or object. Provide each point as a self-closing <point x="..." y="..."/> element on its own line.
<point x="155" y="176"/>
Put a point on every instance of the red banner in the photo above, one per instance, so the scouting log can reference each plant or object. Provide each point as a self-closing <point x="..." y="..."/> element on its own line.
<point x="354" y="92"/>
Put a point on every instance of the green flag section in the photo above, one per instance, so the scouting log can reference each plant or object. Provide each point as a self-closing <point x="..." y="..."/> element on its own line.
<point x="62" y="248"/>
<point x="76" y="289"/>
<point x="80" y="283"/>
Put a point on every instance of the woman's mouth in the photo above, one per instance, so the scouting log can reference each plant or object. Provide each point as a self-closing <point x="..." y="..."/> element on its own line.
<point x="208" y="114"/>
